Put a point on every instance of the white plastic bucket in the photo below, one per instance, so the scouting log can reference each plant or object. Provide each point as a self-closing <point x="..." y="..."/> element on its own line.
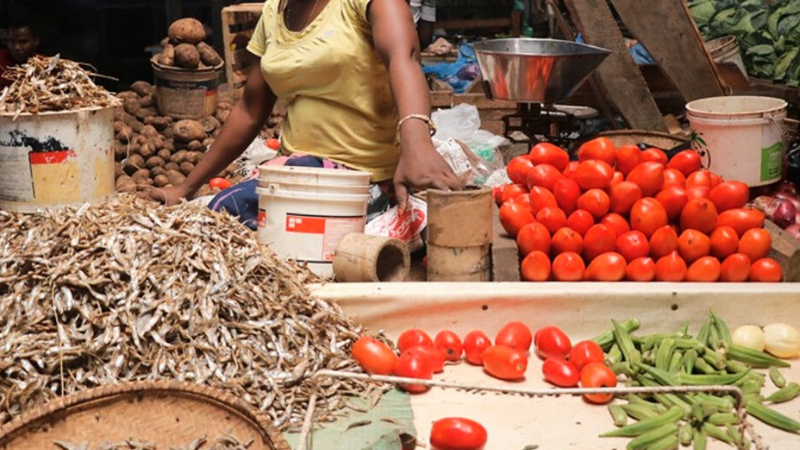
<point x="743" y="136"/>
<point x="56" y="159"/>
<point x="313" y="176"/>
<point x="305" y="187"/>
<point x="308" y="226"/>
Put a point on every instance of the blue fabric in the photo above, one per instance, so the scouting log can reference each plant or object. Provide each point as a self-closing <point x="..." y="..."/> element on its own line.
<point x="637" y="51"/>
<point x="448" y="72"/>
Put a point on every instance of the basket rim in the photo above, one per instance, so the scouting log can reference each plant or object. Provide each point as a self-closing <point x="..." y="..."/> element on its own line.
<point x="90" y="397"/>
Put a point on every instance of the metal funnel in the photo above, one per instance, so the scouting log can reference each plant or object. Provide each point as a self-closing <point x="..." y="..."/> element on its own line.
<point x="536" y="70"/>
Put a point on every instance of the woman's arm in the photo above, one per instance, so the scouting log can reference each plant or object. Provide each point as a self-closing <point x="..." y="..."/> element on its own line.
<point x="242" y="126"/>
<point x="396" y="41"/>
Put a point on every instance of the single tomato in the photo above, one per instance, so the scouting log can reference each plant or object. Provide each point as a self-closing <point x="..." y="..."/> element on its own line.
<point x="560" y="372"/>
<point x="475" y="342"/>
<point x="547" y="153"/>
<point x="533" y="236"/>
<point x="700" y="177"/>
<point x="699" y="214"/>
<point x="450" y="343"/>
<point x="609" y="266"/>
<point x="497" y="194"/>
<point x="633" y="244"/>
<point x="219" y="183"/>
<point x="435" y="356"/>
<point x="595" y="201"/>
<point x="514" y="190"/>
<point x="566" y="240"/>
<point x="586" y="352"/>
<point x="671" y="268"/>
<point x="552" y="217"/>
<point x="569" y="171"/>
<point x="600" y="148"/>
<point x="765" y="270"/>
<point x="649" y="176"/>
<point x="535" y="266"/>
<point x="544" y="175"/>
<point x="551" y="342"/>
<point x="697" y="192"/>
<point x="413" y="337"/>
<point x="741" y="219"/>
<point x="580" y="221"/>
<point x="692" y="245"/>
<point x="566" y="192"/>
<point x="674" y="199"/>
<point x="663" y="242"/>
<point x="628" y="157"/>
<point x="735" y="268"/>
<point x="518" y="169"/>
<point x="654" y="155"/>
<point x="617" y="178"/>
<point x="705" y="269"/>
<point x="616" y="222"/>
<point x="648" y="215"/>
<point x="540" y="198"/>
<point x="729" y="195"/>
<point x="686" y="161"/>
<point x="593" y="173"/>
<point x="568" y="266"/>
<point x="516" y="335"/>
<point x="641" y="269"/>
<point x="375" y="357"/>
<point x="522" y="199"/>
<point x="673" y="177"/>
<point x="755" y="243"/>
<point x="597" y="375"/>
<point x="514" y="216"/>
<point x="623" y="195"/>
<point x="414" y="364"/>
<point x="458" y="433"/>
<point x="504" y="363"/>
<point x="599" y="239"/>
<point x="724" y="242"/>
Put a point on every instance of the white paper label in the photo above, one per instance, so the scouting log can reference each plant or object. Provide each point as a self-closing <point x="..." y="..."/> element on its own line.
<point x="16" y="184"/>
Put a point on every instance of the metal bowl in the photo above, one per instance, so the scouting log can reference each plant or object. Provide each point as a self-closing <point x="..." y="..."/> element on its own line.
<point x="536" y="70"/>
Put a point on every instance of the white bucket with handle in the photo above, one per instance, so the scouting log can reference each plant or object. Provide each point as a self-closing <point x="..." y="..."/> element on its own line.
<point x="743" y="136"/>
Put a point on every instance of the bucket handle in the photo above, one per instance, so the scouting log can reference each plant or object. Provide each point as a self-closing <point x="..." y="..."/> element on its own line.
<point x="785" y="134"/>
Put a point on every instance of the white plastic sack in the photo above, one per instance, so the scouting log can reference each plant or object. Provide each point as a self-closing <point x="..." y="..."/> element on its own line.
<point x="406" y="228"/>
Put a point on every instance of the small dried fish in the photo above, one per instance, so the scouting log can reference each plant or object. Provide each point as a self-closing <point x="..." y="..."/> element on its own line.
<point x="227" y="442"/>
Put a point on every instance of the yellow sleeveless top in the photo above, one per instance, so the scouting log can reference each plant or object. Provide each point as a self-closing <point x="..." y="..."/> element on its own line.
<point x="340" y="105"/>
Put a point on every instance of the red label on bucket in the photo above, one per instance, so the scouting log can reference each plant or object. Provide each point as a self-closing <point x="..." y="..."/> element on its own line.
<point x="262" y="218"/>
<point x="331" y="229"/>
<point x="51" y="157"/>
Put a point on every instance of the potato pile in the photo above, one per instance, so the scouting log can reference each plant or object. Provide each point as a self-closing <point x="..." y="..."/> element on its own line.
<point x="157" y="151"/>
<point x="184" y="47"/>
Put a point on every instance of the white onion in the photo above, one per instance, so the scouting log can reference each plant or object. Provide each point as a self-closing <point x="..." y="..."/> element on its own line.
<point x="749" y="336"/>
<point x="782" y="340"/>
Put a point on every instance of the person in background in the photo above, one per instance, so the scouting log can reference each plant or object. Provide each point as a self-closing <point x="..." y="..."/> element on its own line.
<point x="424" y="13"/>
<point x="22" y="43"/>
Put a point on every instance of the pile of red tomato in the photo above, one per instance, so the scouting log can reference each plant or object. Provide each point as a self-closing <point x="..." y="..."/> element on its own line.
<point x="631" y="214"/>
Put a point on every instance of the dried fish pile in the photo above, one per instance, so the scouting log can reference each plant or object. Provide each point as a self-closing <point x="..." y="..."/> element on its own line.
<point x="229" y="442"/>
<point x="128" y="291"/>
<point x="51" y="84"/>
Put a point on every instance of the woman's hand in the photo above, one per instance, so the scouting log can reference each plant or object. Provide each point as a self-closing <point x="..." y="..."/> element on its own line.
<point x="170" y="195"/>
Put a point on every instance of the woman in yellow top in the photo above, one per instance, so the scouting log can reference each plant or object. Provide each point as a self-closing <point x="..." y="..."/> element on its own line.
<point x="356" y="95"/>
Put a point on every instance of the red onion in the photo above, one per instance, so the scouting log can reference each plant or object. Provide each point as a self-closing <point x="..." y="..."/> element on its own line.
<point x="792" y="198"/>
<point x="779" y="210"/>
<point x="762" y="203"/>
<point x="794" y="230"/>
<point x="787" y="187"/>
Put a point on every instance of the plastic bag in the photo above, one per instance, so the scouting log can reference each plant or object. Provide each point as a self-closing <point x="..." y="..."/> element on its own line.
<point x="406" y="228"/>
<point x="458" y="74"/>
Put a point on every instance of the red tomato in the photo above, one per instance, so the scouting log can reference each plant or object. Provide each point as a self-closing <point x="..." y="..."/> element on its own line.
<point x="617" y="178"/>
<point x="566" y="192"/>
<point x="497" y="194"/>
<point x="374" y="356"/>
<point x="755" y="243"/>
<point x="628" y="157"/>
<point x="552" y="217"/>
<point x="504" y="362"/>
<point x="699" y="178"/>
<point x="518" y="169"/>
<point x="219" y="183"/>
<point x="580" y="221"/>
<point x="595" y="201"/>
<point x="674" y="199"/>
<point x="533" y="236"/>
<point x="609" y="266"/>
<point x="599" y="239"/>
<point x="654" y="155"/>
<point x="566" y="240"/>
<point x="601" y="148"/>
<point x="514" y="190"/>
<point x="706" y="269"/>
<point x="649" y="176"/>
<point x="729" y="195"/>
<point x="551" y="342"/>
<point x="535" y="266"/>
<point x="663" y="242"/>
<point x="724" y="242"/>
<point x="697" y="192"/>
<point x="273" y="144"/>
<point x="586" y="352"/>
<point x="560" y="372"/>
<point x="687" y="162"/>
<point x="413" y="338"/>
<point x="514" y="216"/>
<point x="623" y="195"/>
<point x="593" y="173"/>
<point x="765" y="270"/>
<point x="596" y="375"/>
<point x="699" y="214"/>
<point x="670" y="268"/>
<point x="616" y="222"/>
<point x="522" y="199"/>
<point x="735" y="268"/>
<point x="648" y="215"/>
<point x="414" y="364"/>
<point x="540" y="198"/>
<point x="457" y="433"/>
<point x="516" y="335"/>
<point x="450" y="343"/>
<point x="568" y="266"/>
<point x="632" y="245"/>
<point x="641" y="269"/>
<point x="547" y="153"/>
<point x="435" y="356"/>
<point x="741" y="219"/>
<point x="544" y="175"/>
<point x="693" y="245"/>
<point x="673" y="177"/>
<point x="475" y="342"/>
<point x="569" y="171"/>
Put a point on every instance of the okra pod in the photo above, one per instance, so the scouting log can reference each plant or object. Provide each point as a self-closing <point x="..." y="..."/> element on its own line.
<point x="607" y="339"/>
<point x="723" y="418"/>
<point x="675" y="362"/>
<point x="668" y="400"/>
<point x="618" y="415"/>
<point x="699" y="440"/>
<point x="784" y="394"/>
<point x="716" y="360"/>
<point x="689" y="358"/>
<point x="639" y="412"/>
<point x="771" y="417"/>
<point x="614" y="355"/>
<point x="622" y="368"/>
<point x="664" y="354"/>
<point x="624" y="340"/>
<point x="669" y="442"/>
<point x="685" y="433"/>
<point x="777" y="377"/>
<point x="754" y="358"/>
<point x="704" y="367"/>
<point x="723" y="331"/>
<point x="645" y="440"/>
<point x="702" y="335"/>
<point x="647" y="425"/>
<point x="636" y="400"/>
<point x="659" y="375"/>
<point x="703" y="380"/>
<point x="750" y="387"/>
<point x="735" y="366"/>
<point x="713" y="337"/>
<point x="721" y="404"/>
<point x="734" y="434"/>
<point x="687" y="343"/>
<point x="684" y="329"/>
<point x="717" y="433"/>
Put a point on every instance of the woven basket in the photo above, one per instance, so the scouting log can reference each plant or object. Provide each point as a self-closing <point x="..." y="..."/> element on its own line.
<point x="652" y="138"/>
<point x="167" y="413"/>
